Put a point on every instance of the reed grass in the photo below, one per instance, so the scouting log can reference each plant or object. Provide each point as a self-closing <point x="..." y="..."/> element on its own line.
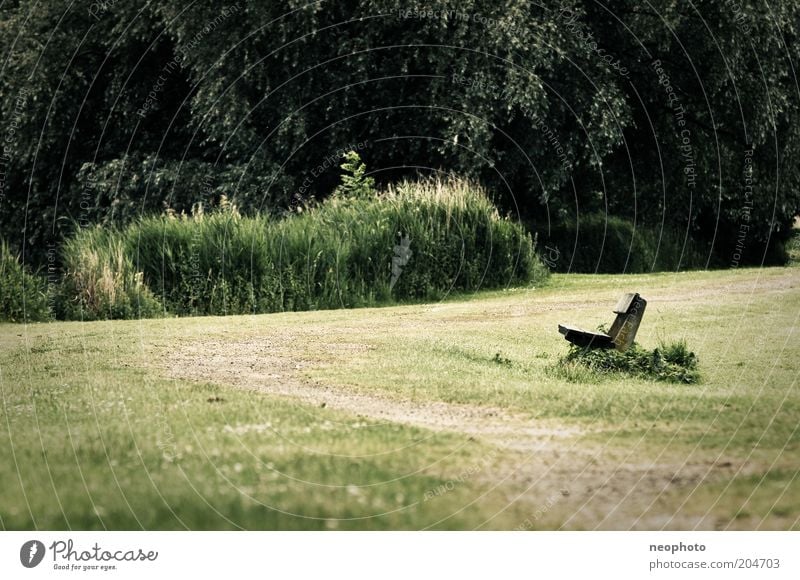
<point x="100" y="280"/>
<point x="414" y="241"/>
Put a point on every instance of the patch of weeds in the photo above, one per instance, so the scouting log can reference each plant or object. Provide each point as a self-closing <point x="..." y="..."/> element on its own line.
<point x="672" y="363"/>
<point x="501" y="360"/>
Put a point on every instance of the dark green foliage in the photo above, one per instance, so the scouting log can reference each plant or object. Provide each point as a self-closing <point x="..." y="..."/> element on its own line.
<point x="23" y="296"/>
<point x="339" y="253"/>
<point x="115" y="110"/>
<point x="702" y="153"/>
<point x="122" y="190"/>
<point x="607" y="244"/>
<point x="672" y="362"/>
<point x="217" y="263"/>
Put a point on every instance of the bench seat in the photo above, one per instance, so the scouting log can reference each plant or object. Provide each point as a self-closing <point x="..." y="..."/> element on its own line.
<point x="585" y="338"/>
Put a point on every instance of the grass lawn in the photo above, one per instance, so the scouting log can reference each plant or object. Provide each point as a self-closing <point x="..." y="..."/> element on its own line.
<point x="451" y="415"/>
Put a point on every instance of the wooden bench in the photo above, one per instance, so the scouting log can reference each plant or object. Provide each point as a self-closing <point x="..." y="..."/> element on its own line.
<point x="629" y="311"/>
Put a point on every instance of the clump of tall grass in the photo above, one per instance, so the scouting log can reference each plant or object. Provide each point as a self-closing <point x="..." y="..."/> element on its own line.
<point x="206" y="263"/>
<point x="672" y="362"/>
<point x="342" y="252"/>
<point x="100" y="281"/>
<point x="23" y="295"/>
<point x="459" y="240"/>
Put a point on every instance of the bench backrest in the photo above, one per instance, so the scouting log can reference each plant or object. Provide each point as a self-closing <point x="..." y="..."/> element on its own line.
<point x="629" y="311"/>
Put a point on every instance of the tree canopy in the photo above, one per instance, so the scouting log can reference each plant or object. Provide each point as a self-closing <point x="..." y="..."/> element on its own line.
<point x="672" y="115"/>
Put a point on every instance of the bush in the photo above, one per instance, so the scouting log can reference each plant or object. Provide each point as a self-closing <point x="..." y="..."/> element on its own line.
<point x="23" y="296"/>
<point x="100" y="281"/>
<point x="416" y="241"/>
<point x="793" y="248"/>
<point x="355" y="182"/>
<point x="608" y="244"/>
<point x="673" y="363"/>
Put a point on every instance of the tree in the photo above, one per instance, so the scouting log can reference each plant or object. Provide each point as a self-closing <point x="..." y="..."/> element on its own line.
<point x="714" y="130"/>
<point x="562" y="107"/>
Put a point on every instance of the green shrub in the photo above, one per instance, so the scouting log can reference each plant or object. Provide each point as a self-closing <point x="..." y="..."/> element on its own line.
<point x="100" y="281"/>
<point x="673" y="363"/>
<point x="416" y="241"/>
<point x="23" y="296"/>
<point x="793" y="248"/>
<point x="355" y="182"/>
<point x="608" y="244"/>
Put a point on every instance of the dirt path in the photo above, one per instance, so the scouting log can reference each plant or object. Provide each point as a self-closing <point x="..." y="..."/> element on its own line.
<point x="274" y="368"/>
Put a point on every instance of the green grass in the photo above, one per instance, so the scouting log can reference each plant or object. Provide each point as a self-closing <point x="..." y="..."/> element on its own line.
<point x="732" y="335"/>
<point x="98" y="444"/>
<point x="94" y="434"/>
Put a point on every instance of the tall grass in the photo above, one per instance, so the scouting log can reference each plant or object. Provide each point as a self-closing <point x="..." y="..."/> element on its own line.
<point x="337" y="254"/>
<point x="23" y="296"/>
<point x="100" y="281"/>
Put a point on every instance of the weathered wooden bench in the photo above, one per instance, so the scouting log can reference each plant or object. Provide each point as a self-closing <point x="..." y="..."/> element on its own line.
<point x="629" y="311"/>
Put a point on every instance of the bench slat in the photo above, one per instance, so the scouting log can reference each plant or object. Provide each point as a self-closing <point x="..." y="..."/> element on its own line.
<point x="624" y="303"/>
